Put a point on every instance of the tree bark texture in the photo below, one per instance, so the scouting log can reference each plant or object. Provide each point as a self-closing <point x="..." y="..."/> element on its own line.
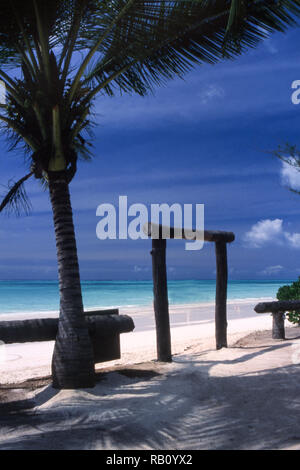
<point x="73" y="360"/>
<point x="161" y="304"/>
<point x="221" y="295"/>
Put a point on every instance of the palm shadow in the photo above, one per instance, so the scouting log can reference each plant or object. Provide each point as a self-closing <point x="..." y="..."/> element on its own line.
<point x="184" y="408"/>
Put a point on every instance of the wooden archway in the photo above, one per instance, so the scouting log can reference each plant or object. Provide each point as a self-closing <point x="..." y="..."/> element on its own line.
<point x="160" y="286"/>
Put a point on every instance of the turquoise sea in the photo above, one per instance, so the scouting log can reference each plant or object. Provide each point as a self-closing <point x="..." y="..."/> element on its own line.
<point x="41" y="296"/>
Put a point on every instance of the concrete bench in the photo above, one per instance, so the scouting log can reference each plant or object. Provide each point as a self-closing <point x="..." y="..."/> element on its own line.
<point x="105" y="327"/>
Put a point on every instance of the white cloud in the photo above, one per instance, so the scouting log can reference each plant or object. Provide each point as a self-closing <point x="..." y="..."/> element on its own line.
<point x="271" y="231"/>
<point x="290" y="176"/>
<point x="293" y="238"/>
<point x="139" y="269"/>
<point x="272" y="270"/>
<point x="264" y="231"/>
<point x="211" y="92"/>
<point x="271" y="48"/>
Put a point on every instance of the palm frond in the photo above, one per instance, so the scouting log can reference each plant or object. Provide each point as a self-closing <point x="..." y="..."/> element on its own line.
<point x="16" y="200"/>
<point x="237" y="14"/>
<point x="290" y="155"/>
<point x="194" y="30"/>
<point x="158" y="40"/>
<point x="295" y="191"/>
<point x="126" y="45"/>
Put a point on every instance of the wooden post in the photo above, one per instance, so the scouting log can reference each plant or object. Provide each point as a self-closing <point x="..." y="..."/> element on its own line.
<point x="221" y="295"/>
<point x="278" y="325"/>
<point x="161" y="304"/>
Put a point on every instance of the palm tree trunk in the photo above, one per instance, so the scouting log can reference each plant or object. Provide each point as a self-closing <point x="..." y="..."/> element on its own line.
<point x="73" y="361"/>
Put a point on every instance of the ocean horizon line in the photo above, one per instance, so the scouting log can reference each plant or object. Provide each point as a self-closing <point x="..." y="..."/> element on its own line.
<point x="150" y="280"/>
<point x="41" y="295"/>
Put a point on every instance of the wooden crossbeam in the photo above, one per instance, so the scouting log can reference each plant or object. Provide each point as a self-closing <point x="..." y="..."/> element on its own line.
<point x="186" y="234"/>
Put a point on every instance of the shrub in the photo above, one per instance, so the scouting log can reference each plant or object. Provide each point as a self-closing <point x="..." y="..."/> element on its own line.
<point x="291" y="292"/>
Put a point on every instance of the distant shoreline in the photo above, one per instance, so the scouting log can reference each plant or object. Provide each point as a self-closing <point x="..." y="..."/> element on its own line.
<point x="42" y="297"/>
<point x="132" y="309"/>
<point x="148" y="280"/>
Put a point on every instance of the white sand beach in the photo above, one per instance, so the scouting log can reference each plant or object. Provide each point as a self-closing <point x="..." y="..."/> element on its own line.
<point x="243" y="397"/>
<point x="190" y="323"/>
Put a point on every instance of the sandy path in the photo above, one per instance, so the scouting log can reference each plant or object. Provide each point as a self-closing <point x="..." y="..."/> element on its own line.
<point x="243" y="397"/>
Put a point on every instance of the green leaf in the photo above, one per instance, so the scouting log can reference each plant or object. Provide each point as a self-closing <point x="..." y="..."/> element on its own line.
<point x="291" y="292"/>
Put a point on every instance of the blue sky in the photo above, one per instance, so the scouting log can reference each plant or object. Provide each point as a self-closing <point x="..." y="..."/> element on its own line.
<point x="206" y="140"/>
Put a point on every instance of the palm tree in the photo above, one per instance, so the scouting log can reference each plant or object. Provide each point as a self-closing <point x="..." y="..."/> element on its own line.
<point x="68" y="52"/>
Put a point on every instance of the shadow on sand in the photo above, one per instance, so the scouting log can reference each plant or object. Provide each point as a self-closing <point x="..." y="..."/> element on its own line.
<point x="182" y="406"/>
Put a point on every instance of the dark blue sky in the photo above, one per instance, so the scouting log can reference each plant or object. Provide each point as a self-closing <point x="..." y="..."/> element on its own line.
<point x="202" y="140"/>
